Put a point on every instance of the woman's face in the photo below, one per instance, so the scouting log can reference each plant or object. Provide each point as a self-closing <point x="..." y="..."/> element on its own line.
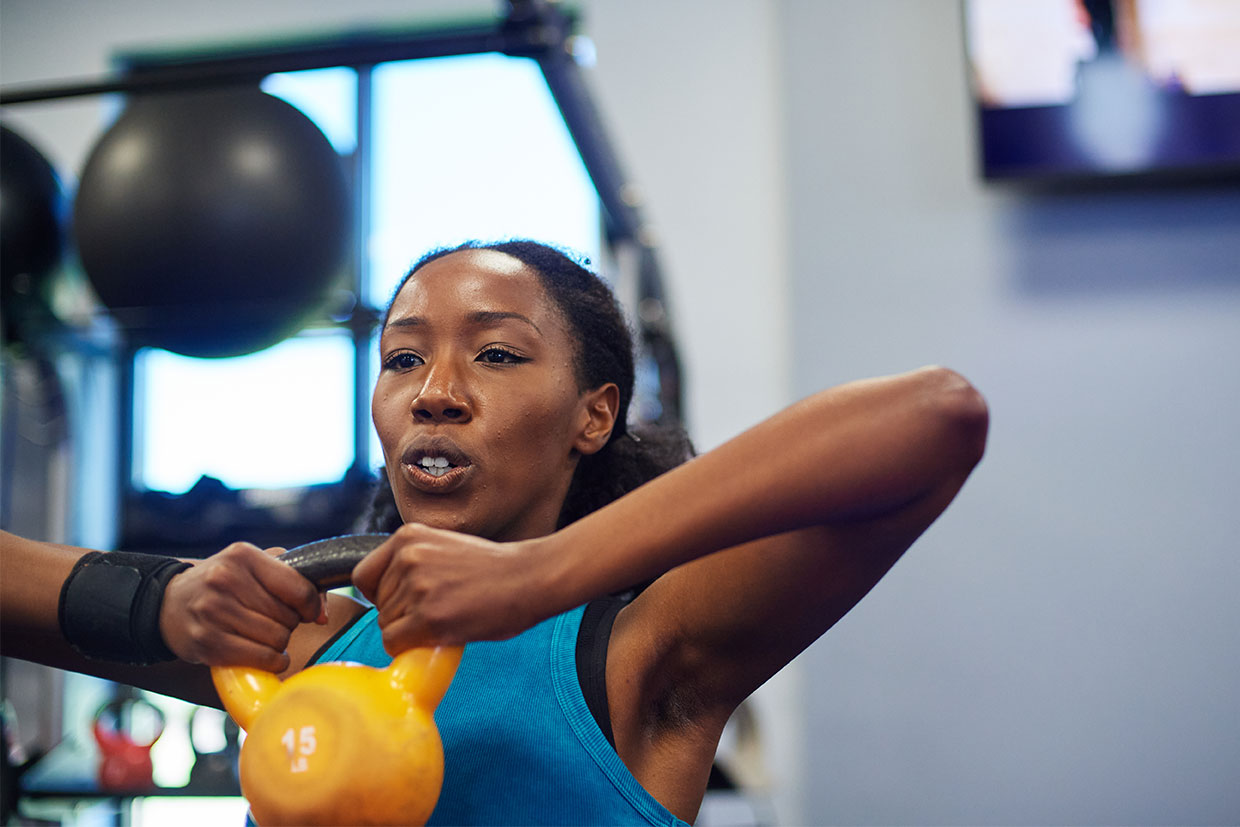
<point x="477" y="405"/>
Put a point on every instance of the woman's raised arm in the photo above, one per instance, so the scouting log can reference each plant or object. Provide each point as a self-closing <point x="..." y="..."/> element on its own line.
<point x="806" y="512"/>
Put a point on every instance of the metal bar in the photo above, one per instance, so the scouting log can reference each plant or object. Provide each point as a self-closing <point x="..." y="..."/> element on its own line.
<point x="362" y="322"/>
<point x="546" y="38"/>
<point x="126" y="382"/>
<point x="165" y="75"/>
<point x="619" y="196"/>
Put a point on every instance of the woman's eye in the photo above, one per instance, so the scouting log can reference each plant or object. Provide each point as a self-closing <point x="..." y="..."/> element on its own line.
<point x="403" y="360"/>
<point x="499" y="356"/>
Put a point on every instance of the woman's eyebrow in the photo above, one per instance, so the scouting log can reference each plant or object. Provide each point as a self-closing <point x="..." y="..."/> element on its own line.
<point x="483" y="318"/>
<point x="479" y="318"/>
<point x="406" y="321"/>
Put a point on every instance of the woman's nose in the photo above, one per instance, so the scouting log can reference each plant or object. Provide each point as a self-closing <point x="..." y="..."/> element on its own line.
<point x="442" y="398"/>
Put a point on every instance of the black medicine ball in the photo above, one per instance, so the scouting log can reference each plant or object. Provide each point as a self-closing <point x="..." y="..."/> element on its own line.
<point x="32" y="213"/>
<point x="212" y="223"/>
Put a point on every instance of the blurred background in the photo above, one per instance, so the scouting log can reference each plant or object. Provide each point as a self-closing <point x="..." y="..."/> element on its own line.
<point x="818" y="181"/>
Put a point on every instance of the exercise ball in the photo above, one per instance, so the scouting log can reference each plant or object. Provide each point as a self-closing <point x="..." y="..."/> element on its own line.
<point x="32" y="213"/>
<point x="212" y="223"/>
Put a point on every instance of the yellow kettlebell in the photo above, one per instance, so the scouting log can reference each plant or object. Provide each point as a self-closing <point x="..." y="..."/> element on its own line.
<point x="340" y="743"/>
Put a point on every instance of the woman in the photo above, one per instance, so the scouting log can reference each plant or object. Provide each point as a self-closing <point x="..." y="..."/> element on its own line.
<point x="501" y="404"/>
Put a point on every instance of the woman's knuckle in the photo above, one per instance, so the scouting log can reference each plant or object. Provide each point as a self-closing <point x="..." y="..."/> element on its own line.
<point x="211" y="604"/>
<point x="199" y="638"/>
<point x="216" y="577"/>
<point x="387" y="615"/>
<point x="237" y="549"/>
<point x="408" y="554"/>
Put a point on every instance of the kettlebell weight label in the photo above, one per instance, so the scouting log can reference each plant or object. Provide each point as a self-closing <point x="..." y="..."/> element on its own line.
<point x="303" y="743"/>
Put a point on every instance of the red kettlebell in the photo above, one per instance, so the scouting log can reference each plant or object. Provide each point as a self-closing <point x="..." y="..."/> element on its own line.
<point x="126" y="728"/>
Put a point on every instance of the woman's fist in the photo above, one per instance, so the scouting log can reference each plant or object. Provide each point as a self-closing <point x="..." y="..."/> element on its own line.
<point x="237" y="608"/>
<point x="433" y="586"/>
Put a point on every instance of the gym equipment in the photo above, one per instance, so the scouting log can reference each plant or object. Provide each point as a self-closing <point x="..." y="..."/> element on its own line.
<point x="126" y="728"/>
<point x="212" y="223"/>
<point x="32" y="209"/>
<point x="329" y="563"/>
<point x="32" y="235"/>
<point x="341" y="743"/>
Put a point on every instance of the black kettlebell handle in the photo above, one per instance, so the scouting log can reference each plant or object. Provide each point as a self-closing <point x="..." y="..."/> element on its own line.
<point x="329" y="563"/>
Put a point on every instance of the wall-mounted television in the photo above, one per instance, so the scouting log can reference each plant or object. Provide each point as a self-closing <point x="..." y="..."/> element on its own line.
<point x="1106" y="89"/>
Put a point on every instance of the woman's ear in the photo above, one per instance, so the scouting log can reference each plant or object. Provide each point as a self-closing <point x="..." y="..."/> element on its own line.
<point x="600" y="408"/>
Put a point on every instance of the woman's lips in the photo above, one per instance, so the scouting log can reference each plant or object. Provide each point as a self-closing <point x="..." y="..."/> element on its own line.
<point x="428" y="483"/>
<point x="435" y="480"/>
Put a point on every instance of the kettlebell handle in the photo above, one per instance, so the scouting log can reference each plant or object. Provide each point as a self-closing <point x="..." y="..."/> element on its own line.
<point x="329" y="563"/>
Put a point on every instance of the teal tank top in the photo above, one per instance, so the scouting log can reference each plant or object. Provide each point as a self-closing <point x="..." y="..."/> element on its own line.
<point x="520" y="743"/>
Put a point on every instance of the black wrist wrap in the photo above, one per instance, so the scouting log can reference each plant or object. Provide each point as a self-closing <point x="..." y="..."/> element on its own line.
<point x="109" y="606"/>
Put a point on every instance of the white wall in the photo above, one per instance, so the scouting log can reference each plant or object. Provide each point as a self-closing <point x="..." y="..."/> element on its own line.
<point x="1063" y="646"/>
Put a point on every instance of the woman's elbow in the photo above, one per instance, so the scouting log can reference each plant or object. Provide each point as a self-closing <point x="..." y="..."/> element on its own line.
<point x="963" y="412"/>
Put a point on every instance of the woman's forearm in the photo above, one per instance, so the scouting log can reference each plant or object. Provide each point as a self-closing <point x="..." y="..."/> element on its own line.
<point x="31" y="575"/>
<point x="854" y="452"/>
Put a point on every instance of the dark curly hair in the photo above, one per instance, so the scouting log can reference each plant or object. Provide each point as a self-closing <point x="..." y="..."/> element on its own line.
<point x="634" y="454"/>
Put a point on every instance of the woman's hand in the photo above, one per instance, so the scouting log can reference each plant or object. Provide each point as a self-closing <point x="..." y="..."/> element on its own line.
<point x="238" y="608"/>
<point x="433" y="586"/>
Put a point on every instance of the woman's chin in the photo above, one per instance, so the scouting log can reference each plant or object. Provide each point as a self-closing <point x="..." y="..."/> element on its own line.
<point x="437" y="513"/>
<point x="435" y="519"/>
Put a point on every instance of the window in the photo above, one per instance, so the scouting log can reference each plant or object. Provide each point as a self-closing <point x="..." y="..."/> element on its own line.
<point x="279" y="418"/>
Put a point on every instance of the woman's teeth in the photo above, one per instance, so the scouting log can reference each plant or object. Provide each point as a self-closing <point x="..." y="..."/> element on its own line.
<point x="435" y="466"/>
